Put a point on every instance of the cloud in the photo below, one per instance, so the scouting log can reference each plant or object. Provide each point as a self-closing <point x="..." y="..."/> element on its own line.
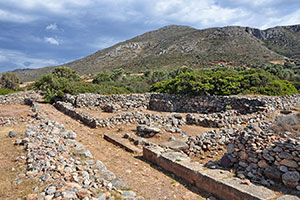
<point x="52" y="27"/>
<point x="51" y="40"/>
<point x="16" y="59"/>
<point x="91" y="25"/>
<point x="9" y="16"/>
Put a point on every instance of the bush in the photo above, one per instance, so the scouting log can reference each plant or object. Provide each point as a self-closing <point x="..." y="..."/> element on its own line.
<point x="117" y="74"/>
<point x="10" y="81"/>
<point x="58" y="83"/>
<point x="64" y="80"/>
<point x="4" y="91"/>
<point x="228" y="82"/>
<point x="66" y="73"/>
<point x="101" y="77"/>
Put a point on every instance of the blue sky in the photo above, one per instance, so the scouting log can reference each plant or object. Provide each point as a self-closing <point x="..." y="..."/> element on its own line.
<point x="38" y="33"/>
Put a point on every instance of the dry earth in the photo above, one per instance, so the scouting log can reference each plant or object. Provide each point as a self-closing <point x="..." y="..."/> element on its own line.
<point x="144" y="178"/>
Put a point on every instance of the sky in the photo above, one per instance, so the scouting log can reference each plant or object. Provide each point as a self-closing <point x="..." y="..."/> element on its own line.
<point x="38" y="33"/>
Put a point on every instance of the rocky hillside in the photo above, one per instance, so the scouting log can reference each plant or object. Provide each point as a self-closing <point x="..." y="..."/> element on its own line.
<point x="175" y="46"/>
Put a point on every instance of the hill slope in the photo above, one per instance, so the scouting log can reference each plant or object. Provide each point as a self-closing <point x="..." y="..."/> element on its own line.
<point x="174" y="46"/>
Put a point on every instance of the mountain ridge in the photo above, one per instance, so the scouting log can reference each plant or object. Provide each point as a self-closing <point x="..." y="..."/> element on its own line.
<point x="174" y="46"/>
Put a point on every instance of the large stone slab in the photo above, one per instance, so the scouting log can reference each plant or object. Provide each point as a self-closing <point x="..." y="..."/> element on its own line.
<point x="256" y="191"/>
<point x="288" y="197"/>
<point x="176" y="145"/>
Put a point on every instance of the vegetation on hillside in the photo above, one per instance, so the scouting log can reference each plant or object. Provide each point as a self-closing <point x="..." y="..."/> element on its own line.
<point x="171" y="47"/>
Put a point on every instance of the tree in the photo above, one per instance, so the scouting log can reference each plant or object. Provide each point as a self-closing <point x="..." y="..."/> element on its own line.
<point x="117" y="74"/>
<point x="158" y="76"/>
<point x="101" y="77"/>
<point x="67" y="73"/>
<point x="10" y="81"/>
<point x="179" y="71"/>
<point x="58" y="83"/>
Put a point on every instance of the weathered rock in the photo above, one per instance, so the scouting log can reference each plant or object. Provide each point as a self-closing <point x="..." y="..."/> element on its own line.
<point x="118" y="183"/>
<point x="230" y="148"/>
<point x="289" y="163"/>
<point x="85" y="153"/>
<point x="272" y="173"/>
<point x="176" y="145"/>
<point x="225" y="161"/>
<point x="291" y="178"/>
<point x="12" y="134"/>
<point x="263" y="164"/>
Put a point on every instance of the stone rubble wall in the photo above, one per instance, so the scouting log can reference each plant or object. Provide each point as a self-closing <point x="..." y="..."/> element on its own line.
<point x="54" y="157"/>
<point x="20" y="98"/>
<point x="229" y="118"/>
<point x="164" y="102"/>
<point x="263" y="156"/>
<point x="254" y="152"/>
<point x="212" y="104"/>
<point x="119" y="119"/>
<point x="121" y="102"/>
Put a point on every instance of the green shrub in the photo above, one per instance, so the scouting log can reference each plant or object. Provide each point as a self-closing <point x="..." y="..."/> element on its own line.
<point x="4" y="91"/>
<point x="225" y="82"/>
<point x="67" y="73"/>
<point x="101" y="77"/>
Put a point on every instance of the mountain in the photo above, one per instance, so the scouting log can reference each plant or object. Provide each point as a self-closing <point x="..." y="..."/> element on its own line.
<point x="174" y="46"/>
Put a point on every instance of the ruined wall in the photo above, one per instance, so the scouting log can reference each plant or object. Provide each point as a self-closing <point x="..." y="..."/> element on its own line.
<point x="117" y="102"/>
<point x="186" y="104"/>
<point x="20" y="97"/>
<point x="211" y="104"/>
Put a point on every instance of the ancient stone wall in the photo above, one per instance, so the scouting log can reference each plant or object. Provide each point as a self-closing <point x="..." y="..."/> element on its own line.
<point x="174" y="103"/>
<point x="20" y="98"/>
<point x="211" y="104"/>
<point x="117" y="102"/>
<point x="255" y="152"/>
<point x="119" y="119"/>
<point x="263" y="156"/>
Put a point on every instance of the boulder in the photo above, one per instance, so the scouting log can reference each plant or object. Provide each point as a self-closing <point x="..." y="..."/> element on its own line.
<point x="12" y="134"/>
<point x="291" y="178"/>
<point x="272" y="173"/>
<point x="176" y="145"/>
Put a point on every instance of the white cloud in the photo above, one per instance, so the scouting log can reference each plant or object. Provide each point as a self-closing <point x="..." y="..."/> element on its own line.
<point x="51" y="40"/>
<point x="52" y="27"/>
<point x="15" y="17"/>
<point x="21" y="60"/>
<point x="55" y="6"/>
<point x="199" y="13"/>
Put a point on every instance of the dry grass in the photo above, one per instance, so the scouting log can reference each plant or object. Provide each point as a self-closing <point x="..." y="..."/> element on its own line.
<point x="8" y="152"/>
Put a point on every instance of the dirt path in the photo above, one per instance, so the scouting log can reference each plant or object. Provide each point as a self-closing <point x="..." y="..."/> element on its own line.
<point x="142" y="177"/>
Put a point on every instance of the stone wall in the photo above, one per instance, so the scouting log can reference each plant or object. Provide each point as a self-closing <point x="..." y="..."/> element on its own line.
<point x="263" y="156"/>
<point x="119" y="119"/>
<point x="212" y="104"/>
<point x="119" y="102"/>
<point x="20" y="97"/>
<point x="174" y="103"/>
